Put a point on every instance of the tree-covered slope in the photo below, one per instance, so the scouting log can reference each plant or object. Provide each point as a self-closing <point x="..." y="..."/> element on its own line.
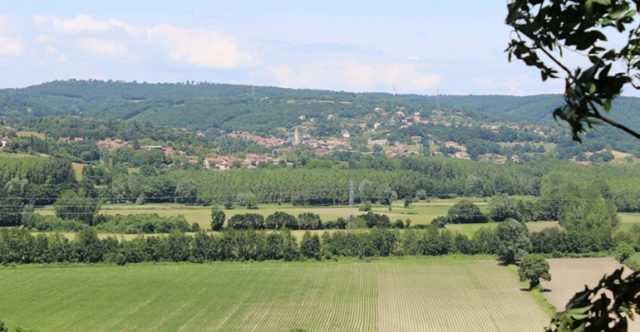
<point x="240" y="107"/>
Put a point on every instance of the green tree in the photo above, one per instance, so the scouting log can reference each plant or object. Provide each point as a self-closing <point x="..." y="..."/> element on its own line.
<point x="87" y="246"/>
<point x="512" y="241"/>
<point x="545" y="30"/>
<point x="3" y="328"/>
<point x="280" y="219"/>
<point x="310" y="245"/>
<point x="465" y="212"/>
<point x="533" y="268"/>
<point x="70" y="205"/>
<point x="186" y="191"/>
<point x="217" y="219"/>
<point x="10" y="210"/>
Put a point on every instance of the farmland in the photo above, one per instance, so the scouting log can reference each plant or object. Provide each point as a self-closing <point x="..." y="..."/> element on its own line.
<point x="570" y="275"/>
<point x="411" y="294"/>
<point x="419" y="213"/>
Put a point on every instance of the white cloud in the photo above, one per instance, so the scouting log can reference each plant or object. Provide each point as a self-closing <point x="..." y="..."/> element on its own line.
<point x="515" y="85"/>
<point x="79" y="24"/>
<point x="355" y="76"/>
<point x="104" y="47"/>
<point x="201" y="48"/>
<point x="10" y="47"/>
<point x="115" y="38"/>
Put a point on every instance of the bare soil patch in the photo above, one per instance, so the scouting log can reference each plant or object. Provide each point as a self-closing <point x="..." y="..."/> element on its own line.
<point x="570" y="275"/>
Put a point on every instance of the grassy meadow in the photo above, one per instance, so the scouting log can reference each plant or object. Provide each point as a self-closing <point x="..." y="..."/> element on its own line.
<point x="419" y="213"/>
<point x="410" y="294"/>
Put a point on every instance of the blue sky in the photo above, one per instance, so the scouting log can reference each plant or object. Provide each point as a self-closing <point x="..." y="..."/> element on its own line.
<point x="454" y="47"/>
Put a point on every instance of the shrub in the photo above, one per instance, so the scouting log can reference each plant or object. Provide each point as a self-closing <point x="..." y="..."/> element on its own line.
<point x="465" y="212"/>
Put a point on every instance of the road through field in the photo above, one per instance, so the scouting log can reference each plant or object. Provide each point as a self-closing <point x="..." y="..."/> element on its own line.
<point x="409" y="294"/>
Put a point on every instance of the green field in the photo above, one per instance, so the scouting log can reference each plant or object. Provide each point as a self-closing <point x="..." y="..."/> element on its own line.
<point x="469" y="229"/>
<point x="419" y="213"/>
<point x="411" y="294"/>
<point x="627" y="220"/>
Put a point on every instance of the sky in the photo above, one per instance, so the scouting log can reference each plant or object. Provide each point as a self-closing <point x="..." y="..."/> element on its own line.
<point x="423" y="47"/>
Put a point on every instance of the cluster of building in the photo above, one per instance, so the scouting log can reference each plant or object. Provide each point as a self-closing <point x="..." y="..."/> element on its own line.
<point x="117" y="143"/>
<point x="251" y="160"/>
<point x="71" y="139"/>
<point x="267" y="142"/>
<point x="111" y="144"/>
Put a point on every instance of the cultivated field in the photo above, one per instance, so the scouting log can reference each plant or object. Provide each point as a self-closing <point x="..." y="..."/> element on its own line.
<point x="412" y="294"/>
<point x="570" y="275"/>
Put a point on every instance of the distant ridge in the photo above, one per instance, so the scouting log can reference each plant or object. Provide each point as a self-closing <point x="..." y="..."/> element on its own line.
<point x="259" y="108"/>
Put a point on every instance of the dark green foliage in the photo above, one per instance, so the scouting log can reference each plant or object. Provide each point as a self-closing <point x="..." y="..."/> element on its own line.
<point x="37" y="222"/>
<point x="375" y="220"/>
<point x="70" y="205"/>
<point x="246" y="221"/>
<point x="465" y="212"/>
<point x="281" y="220"/>
<point x="544" y="28"/>
<point x="10" y="210"/>
<point x="3" y="328"/>
<point x="217" y="219"/>
<point x="88" y="248"/>
<point x="143" y="223"/>
<point x="440" y="221"/>
<point x="512" y="241"/>
<point x="398" y="224"/>
<point x="309" y="220"/>
<point x="310" y="246"/>
<point x="186" y="191"/>
<point x="623" y="251"/>
<point x="34" y="179"/>
<point x="533" y="268"/>
<point x="503" y="208"/>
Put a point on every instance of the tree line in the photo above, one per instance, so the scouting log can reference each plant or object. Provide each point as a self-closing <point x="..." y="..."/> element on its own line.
<point x="510" y="241"/>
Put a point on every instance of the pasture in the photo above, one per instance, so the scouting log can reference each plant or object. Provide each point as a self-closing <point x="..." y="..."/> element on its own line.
<point x="627" y="220"/>
<point x="419" y="213"/>
<point x="411" y="294"/>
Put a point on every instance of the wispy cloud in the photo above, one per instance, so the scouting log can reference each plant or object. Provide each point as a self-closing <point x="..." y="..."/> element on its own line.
<point x="355" y="75"/>
<point x="117" y="39"/>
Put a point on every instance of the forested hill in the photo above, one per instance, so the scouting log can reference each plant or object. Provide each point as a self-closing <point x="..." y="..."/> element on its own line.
<point x="241" y="107"/>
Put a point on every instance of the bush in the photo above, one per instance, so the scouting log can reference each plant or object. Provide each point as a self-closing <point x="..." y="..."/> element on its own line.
<point x="42" y="223"/>
<point x="623" y="251"/>
<point x="217" y="219"/>
<point x="366" y="207"/>
<point x="310" y="245"/>
<point x="440" y="221"/>
<point x="70" y="205"/>
<point x="465" y="212"/>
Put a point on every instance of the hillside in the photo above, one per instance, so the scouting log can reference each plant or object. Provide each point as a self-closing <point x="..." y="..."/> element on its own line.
<point x="240" y="107"/>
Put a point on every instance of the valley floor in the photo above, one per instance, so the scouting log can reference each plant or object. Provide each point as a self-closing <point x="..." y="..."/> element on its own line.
<point x="395" y="294"/>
